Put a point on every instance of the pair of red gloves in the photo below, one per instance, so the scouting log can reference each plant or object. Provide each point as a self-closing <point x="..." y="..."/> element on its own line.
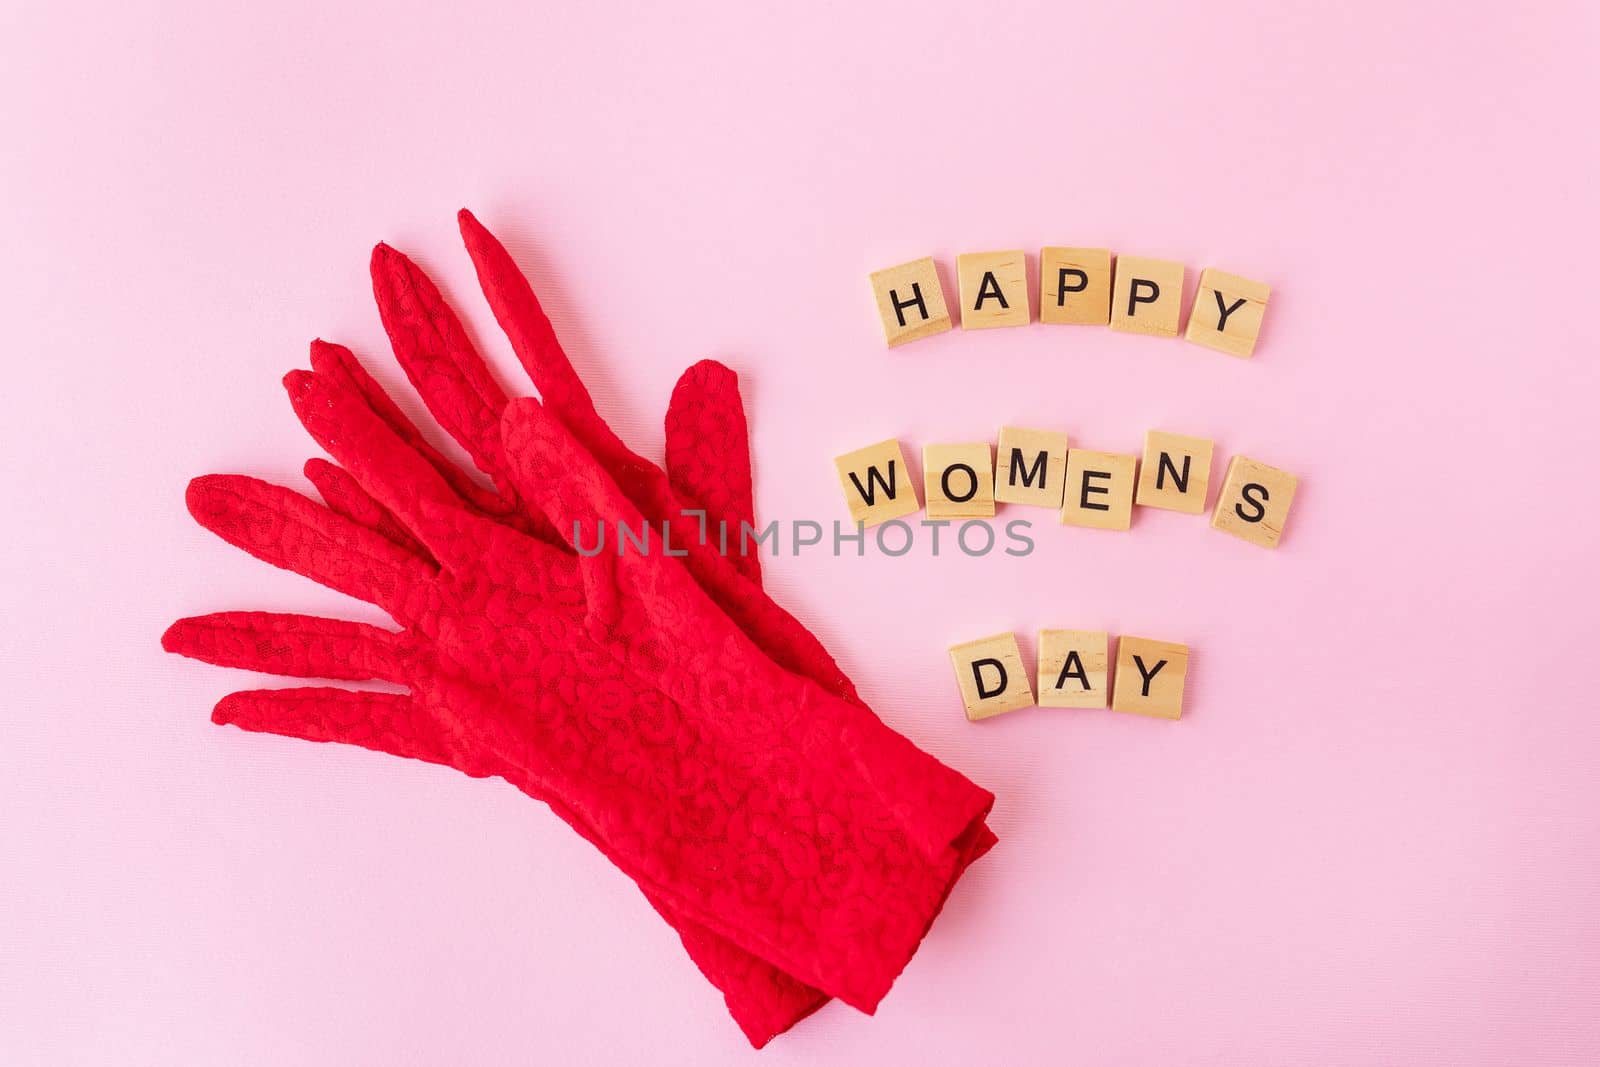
<point x="663" y="705"/>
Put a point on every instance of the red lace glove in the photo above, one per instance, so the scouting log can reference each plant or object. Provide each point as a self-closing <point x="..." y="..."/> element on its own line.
<point x="707" y="451"/>
<point x="763" y="999"/>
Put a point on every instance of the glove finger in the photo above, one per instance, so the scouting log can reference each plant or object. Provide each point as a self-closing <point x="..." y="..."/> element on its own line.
<point x="297" y="646"/>
<point x="554" y="471"/>
<point x="393" y="723"/>
<point x="516" y="308"/>
<point x="344" y="495"/>
<point x="339" y="364"/>
<point x="287" y="530"/>
<point x="395" y="475"/>
<point x="341" y="372"/>
<point x="437" y="355"/>
<point x="708" y="457"/>
<point x="553" y="468"/>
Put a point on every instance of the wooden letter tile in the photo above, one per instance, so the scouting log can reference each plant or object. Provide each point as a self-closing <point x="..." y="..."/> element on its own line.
<point x="877" y="485"/>
<point x="994" y="289"/>
<point x="1254" y="502"/>
<point x="1227" y="313"/>
<point x="1031" y="467"/>
<point x="1175" y="473"/>
<point x="958" y="481"/>
<point x="1075" y="285"/>
<point x="1150" y="677"/>
<point x="1099" y="490"/>
<point x="991" y="676"/>
<point x="1147" y="296"/>
<point x="910" y="301"/>
<point x="1073" y="669"/>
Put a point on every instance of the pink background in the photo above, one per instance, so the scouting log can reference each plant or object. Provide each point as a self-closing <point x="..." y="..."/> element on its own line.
<point x="1373" y="838"/>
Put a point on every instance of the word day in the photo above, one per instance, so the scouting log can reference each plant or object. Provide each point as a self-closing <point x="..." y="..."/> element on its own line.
<point x="1092" y="489"/>
<point x="1073" y="673"/>
<point x="1077" y="286"/>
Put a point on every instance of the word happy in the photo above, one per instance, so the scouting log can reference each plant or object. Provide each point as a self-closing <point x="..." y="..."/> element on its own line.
<point x="1077" y="286"/>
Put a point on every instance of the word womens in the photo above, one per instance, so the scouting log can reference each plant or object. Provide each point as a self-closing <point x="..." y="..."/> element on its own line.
<point x="1093" y="489"/>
